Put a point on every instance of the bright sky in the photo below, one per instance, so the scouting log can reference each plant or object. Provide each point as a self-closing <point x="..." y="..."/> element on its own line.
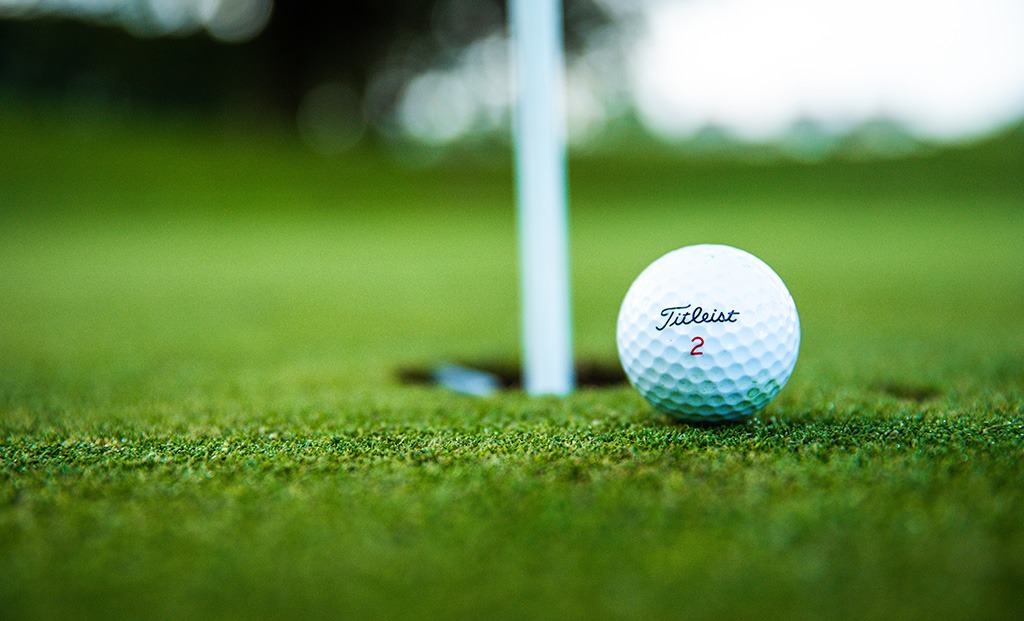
<point x="944" y="68"/>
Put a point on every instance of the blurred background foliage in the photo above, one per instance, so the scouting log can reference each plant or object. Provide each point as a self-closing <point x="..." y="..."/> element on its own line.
<point x="336" y="71"/>
<point x="872" y="78"/>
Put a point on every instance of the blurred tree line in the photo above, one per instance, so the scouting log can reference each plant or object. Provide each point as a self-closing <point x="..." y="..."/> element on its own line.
<point x="305" y="43"/>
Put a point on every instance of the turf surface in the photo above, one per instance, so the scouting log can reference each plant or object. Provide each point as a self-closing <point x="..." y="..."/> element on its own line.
<point x="199" y="412"/>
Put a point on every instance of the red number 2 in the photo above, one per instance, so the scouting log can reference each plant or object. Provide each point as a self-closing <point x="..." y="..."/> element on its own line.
<point x="696" y="348"/>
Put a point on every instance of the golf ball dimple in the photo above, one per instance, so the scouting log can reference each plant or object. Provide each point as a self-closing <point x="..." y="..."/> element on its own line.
<point x="708" y="333"/>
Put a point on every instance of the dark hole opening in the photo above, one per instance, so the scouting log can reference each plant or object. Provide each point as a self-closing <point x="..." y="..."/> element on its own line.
<point x="589" y="373"/>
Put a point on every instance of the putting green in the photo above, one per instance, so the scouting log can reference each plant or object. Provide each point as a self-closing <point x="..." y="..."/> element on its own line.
<point x="200" y="416"/>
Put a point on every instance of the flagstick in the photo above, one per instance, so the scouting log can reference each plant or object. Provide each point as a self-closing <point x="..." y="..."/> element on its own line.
<point x="541" y="187"/>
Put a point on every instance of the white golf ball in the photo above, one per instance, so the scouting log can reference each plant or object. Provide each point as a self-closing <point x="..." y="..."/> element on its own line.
<point x="708" y="333"/>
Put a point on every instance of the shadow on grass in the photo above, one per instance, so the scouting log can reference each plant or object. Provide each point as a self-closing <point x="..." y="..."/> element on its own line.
<point x="918" y="393"/>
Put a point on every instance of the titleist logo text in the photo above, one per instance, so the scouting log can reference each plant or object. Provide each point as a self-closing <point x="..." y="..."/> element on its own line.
<point x="684" y="316"/>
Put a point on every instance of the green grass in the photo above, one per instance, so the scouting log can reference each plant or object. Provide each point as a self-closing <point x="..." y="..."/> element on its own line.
<point x="199" y="416"/>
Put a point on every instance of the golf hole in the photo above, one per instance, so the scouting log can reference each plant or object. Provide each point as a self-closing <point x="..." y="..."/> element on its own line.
<point x="486" y="377"/>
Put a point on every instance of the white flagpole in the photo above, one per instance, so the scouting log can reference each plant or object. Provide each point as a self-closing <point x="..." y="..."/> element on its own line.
<point x="541" y="189"/>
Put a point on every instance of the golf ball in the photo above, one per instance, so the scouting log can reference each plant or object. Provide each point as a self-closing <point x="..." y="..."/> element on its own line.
<point x="708" y="334"/>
